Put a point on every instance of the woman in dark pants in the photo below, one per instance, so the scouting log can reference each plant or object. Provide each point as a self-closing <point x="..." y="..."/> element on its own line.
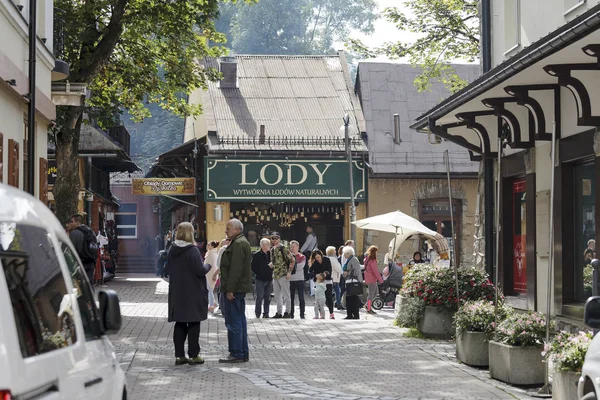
<point x="320" y="264"/>
<point x="188" y="294"/>
<point x="352" y="273"/>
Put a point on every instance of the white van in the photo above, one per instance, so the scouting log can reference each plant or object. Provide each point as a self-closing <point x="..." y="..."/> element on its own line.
<point x="53" y="342"/>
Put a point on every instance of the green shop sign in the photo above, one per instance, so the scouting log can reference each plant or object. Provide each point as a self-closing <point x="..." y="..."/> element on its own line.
<point x="276" y="180"/>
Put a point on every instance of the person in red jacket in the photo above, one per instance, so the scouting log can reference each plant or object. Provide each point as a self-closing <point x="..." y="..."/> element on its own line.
<point x="372" y="276"/>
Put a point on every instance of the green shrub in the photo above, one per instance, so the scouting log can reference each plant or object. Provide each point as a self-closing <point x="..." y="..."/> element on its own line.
<point x="478" y="316"/>
<point x="411" y="311"/>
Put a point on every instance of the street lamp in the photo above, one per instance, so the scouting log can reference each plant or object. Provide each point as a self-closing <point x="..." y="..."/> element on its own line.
<point x="346" y="128"/>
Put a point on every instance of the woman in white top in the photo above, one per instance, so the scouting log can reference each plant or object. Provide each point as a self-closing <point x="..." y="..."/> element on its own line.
<point x="336" y="274"/>
<point x="211" y="259"/>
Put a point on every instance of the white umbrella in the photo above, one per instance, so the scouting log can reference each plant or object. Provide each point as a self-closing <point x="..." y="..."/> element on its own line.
<point x="394" y="222"/>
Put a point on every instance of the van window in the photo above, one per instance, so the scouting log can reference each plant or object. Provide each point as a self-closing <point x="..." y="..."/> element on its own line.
<point x="41" y="304"/>
<point x="85" y="298"/>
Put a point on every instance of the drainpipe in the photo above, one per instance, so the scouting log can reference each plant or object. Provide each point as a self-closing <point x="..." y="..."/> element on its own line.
<point x="31" y="108"/>
<point x="89" y="192"/>
<point x="486" y="56"/>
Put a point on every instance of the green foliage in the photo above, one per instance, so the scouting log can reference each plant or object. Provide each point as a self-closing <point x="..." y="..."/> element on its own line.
<point x="413" y="333"/>
<point x="447" y="30"/>
<point x="293" y="27"/>
<point x="478" y="316"/>
<point x="436" y="286"/>
<point x="523" y="329"/>
<point x="567" y="351"/>
<point x="588" y="279"/>
<point x="411" y="312"/>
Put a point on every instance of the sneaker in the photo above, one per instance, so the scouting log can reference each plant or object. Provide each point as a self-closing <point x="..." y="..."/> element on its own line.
<point x="286" y="315"/>
<point x="265" y="316"/>
<point x="323" y="317"/>
<point x="196" y="360"/>
<point x="316" y="318"/>
<point x="331" y="316"/>
<point x="231" y="360"/>
<point x="181" y="361"/>
<point x="277" y="316"/>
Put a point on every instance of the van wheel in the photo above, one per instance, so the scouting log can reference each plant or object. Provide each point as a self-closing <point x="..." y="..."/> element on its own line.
<point x="377" y="303"/>
<point x="589" y="396"/>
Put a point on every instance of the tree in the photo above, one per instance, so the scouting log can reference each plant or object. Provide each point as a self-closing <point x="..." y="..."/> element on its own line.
<point x="447" y="29"/>
<point x="294" y="27"/>
<point x="120" y="49"/>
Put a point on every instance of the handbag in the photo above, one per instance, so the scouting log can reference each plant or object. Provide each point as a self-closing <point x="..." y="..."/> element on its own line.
<point x="353" y="288"/>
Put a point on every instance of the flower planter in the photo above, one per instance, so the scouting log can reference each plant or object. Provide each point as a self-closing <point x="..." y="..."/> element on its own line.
<point x="398" y="305"/>
<point x="564" y="385"/>
<point x="472" y="349"/>
<point x="516" y="365"/>
<point x="436" y="323"/>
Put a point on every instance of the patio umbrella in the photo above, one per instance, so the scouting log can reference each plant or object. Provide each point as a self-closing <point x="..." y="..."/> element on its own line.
<point x="394" y="222"/>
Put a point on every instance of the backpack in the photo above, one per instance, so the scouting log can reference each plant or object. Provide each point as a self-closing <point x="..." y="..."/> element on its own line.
<point x="90" y="246"/>
<point x="295" y="261"/>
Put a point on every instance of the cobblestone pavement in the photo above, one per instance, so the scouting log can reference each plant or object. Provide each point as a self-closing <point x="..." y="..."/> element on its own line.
<point x="319" y="359"/>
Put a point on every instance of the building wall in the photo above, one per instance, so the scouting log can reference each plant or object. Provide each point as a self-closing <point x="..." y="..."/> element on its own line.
<point x="147" y="222"/>
<point x="529" y="23"/>
<point x="386" y="195"/>
<point x="14" y="65"/>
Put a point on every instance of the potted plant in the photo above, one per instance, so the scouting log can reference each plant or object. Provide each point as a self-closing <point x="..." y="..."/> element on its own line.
<point x="515" y="353"/>
<point x="475" y="323"/>
<point x="436" y="286"/>
<point x="567" y="353"/>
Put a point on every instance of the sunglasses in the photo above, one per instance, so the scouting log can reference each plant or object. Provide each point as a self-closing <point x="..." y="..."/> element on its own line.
<point x="275" y="238"/>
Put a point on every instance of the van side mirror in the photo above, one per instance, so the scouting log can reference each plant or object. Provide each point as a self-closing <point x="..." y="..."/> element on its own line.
<point x="110" y="311"/>
<point x="591" y="313"/>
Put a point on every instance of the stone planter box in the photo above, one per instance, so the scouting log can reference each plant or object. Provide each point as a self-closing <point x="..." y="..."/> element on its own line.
<point x="398" y="305"/>
<point x="564" y="385"/>
<point x="516" y="365"/>
<point x="472" y="349"/>
<point x="436" y="323"/>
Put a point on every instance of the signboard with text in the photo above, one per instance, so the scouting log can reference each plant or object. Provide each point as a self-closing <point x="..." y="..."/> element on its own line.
<point x="283" y="180"/>
<point x="160" y="186"/>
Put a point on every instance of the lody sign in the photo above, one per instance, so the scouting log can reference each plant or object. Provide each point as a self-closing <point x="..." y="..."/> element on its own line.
<point x="293" y="180"/>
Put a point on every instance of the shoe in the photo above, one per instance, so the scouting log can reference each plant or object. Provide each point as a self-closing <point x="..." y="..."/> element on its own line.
<point x="231" y="360"/>
<point x="331" y="316"/>
<point x="323" y="317"/>
<point x="258" y="316"/>
<point x="291" y="316"/>
<point x="302" y="317"/>
<point x="286" y="315"/>
<point x="265" y="316"/>
<point x="181" y="361"/>
<point x="371" y="312"/>
<point x="316" y="318"/>
<point x="277" y="316"/>
<point x="348" y="318"/>
<point x="196" y="361"/>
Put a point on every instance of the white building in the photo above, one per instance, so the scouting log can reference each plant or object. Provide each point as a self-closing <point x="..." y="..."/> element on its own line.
<point x="14" y="84"/>
<point x="545" y="60"/>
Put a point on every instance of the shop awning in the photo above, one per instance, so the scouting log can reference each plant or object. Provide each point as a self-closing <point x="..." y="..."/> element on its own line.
<point x="555" y="79"/>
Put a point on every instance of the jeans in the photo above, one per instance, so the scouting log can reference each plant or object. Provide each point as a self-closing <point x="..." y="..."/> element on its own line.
<point x="282" y="294"/>
<point x="338" y="293"/>
<point x="329" y="297"/>
<point x="234" y="313"/>
<point x="263" y="295"/>
<point x="191" y="331"/>
<point x="298" y="286"/>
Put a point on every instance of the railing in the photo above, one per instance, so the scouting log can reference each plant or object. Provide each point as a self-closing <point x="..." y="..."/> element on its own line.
<point x="289" y="142"/>
<point x="59" y="33"/>
<point x="120" y="135"/>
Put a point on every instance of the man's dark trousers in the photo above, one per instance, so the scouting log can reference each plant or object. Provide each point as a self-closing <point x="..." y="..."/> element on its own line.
<point x="235" y="321"/>
<point x="263" y="296"/>
<point x="297" y="286"/>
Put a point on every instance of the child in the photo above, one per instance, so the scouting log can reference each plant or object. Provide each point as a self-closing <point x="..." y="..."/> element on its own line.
<point x="320" y="289"/>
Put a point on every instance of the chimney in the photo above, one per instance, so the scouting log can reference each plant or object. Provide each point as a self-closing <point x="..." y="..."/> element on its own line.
<point x="397" y="138"/>
<point x="261" y="137"/>
<point x="228" y="67"/>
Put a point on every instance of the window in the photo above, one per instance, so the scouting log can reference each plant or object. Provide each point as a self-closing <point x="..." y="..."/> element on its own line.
<point x="435" y="215"/>
<point x="85" y="298"/>
<point x="41" y="304"/>
<point x="126" y="219"/>
<point x="512" y="24"/>
<point x="584" y="201"/>
<point x="519" y="237"/>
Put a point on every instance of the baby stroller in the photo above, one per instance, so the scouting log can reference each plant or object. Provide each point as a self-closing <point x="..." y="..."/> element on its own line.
<point x="389" y="288"/>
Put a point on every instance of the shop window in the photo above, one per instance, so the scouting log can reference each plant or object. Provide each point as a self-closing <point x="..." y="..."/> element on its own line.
<point x="126" y="220"/>
<point x="83" y="292"/>
<point x="13" y="163"/>
<point x="435" y="215"/>
<point x="584" y="200"/>
<point x="40" y="301"/>
<point x="512" y="24"/>
<point x="519" y="238"/>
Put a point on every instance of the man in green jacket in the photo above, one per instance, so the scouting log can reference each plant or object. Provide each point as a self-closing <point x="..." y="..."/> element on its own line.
<point x="236" y="281"/>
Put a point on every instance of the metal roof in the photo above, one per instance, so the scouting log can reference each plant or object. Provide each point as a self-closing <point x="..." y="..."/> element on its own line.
<point x="300" y="99"/>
